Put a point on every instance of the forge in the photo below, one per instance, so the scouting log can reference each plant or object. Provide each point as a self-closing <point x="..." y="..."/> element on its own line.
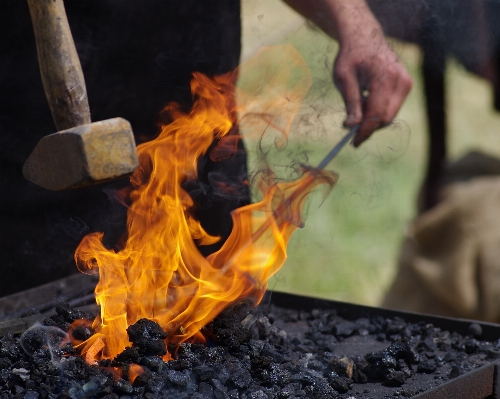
<point x="290" y="346"/>
<point x="164" y="321"/>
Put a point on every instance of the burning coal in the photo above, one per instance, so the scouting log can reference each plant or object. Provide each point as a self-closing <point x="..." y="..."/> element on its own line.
<point x="158" y="273"/>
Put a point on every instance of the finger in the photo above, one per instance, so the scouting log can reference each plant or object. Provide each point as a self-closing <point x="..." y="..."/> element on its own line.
<point x="373" y="112"/>
<point x="386" y="98"/>
<point x="346" y="80"/>
<point x="404" y="85"/>
<point x="368" y="126"/>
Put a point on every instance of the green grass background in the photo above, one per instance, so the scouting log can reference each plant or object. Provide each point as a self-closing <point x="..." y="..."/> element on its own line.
<point x="349" y="247"/>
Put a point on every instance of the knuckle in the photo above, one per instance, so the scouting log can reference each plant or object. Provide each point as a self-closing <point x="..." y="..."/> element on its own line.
<point x="340" y="77"/>
<point x="342" y="70"/>
<point x="396" y="72"/>
<point x="408" y="82"/>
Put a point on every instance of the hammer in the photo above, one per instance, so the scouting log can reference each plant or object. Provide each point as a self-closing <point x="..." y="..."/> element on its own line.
<point x="81" y="153"/>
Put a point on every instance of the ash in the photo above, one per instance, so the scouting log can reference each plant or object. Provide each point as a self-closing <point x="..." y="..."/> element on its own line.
<point x="251" y="353"/>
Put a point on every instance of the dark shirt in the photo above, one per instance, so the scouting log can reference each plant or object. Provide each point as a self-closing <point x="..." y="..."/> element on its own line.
<point x="136" y="55"/>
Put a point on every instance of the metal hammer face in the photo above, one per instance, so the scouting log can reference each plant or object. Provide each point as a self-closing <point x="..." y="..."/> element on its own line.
<point x="83" y="155"/>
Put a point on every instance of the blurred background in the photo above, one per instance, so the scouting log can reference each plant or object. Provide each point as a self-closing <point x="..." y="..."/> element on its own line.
<point x="349" y="247"/>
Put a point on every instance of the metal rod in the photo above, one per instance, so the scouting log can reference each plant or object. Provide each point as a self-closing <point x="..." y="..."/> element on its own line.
<point x="350" y="134"/>
<point x="276" y="214"/>
<point x="280" y="209"/>
<point x="286" y="203"/>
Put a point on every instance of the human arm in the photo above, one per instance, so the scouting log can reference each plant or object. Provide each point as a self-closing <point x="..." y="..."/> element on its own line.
<point x="365" y="63"/>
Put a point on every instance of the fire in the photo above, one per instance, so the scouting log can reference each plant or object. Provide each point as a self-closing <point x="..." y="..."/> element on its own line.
<point x="159" y="273"/>
<point x="134" y="371"/>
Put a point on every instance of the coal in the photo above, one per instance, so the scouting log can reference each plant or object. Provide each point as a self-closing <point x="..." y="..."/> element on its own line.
<point x="250" y="353"/>
<point x="228" y="330"/>
<point x="148" y="337"/>
<point x="65" y="315"/>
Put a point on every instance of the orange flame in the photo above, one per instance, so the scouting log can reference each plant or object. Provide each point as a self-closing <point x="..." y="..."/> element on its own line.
<point x="134" y="371"/>
<point x="159" y="273"/>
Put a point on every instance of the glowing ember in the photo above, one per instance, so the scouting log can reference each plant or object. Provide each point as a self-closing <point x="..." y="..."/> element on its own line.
<point x="159" y="273"/>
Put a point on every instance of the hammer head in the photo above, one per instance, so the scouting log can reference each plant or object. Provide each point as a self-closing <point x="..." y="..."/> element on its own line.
<point x="83" y="155"/>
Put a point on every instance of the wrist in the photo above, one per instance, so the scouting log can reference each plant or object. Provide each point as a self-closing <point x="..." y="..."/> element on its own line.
<point x="343" y="20"/>
<point x="353" y="21"/>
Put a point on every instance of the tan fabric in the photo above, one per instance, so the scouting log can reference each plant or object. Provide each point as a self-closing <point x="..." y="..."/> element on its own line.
<point x="450" y="260"/>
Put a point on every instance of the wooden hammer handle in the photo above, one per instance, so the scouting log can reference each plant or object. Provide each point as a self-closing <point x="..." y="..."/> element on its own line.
<point x="60" y="66"/>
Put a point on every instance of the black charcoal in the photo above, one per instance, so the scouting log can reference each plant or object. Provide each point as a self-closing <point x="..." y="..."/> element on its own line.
<point x="250" y="353"/>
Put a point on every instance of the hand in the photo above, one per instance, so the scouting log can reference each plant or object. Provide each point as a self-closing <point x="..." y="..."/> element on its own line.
<point x="364" y="65"/>
<point x="372" y="80"/>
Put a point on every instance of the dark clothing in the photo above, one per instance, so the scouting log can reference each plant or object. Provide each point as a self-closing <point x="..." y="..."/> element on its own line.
<point x="136" y="55"/>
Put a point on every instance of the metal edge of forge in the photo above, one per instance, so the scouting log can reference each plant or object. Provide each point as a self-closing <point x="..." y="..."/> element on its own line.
<point x="70" y="287"/>
<point x="477" y="384"/>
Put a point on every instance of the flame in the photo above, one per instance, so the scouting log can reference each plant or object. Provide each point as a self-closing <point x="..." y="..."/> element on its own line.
<point x="134" y="371"/>
<point x="159" y="273"/>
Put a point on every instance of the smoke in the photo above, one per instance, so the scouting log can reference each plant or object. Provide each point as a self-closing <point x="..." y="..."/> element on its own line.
<point x="44" y="342"/>
<point x="301" y="120"/>
<point x="60" y="223"/>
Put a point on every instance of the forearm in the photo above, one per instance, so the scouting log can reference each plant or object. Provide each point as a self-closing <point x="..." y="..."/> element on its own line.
<point x="337" y="18"/>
